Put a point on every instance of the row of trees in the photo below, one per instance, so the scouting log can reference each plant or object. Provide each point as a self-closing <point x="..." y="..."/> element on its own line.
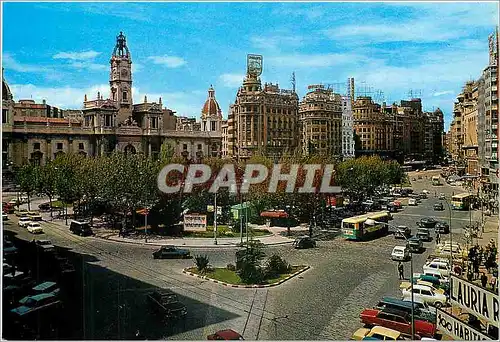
<point x="121" y="183"/>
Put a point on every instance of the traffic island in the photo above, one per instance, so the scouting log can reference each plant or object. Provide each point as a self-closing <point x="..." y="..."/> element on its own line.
<point x="227" y="277"/>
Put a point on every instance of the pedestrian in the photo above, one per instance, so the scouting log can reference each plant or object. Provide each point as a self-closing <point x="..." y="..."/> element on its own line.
<point x="438" y="238"/>
<point x="401" y="270"/>
<point x="476" y="268"/>
<point x="493" y="282"/>
<point x="484" y="279"/>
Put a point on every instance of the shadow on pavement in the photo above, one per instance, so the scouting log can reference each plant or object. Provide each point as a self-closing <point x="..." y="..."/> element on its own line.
<point x="98" y="303"/>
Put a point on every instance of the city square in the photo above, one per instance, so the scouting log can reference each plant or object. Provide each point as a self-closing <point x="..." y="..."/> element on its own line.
<point x="310" y="210"/>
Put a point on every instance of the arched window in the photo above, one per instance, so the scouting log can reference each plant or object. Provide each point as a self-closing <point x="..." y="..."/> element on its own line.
<point x="129" y="149"/>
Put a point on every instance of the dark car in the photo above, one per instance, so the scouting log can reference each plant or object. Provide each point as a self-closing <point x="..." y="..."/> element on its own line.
<point x="427" y="222"/>
<point x="165" y="303"/>
<point x="81" y="228"/>
<point x="424" y="234"/>
<point x="442" y="228"/>
<point x="438" y="206"/>
<point x="225" y="335"/>
<point x="392" y="208"/>
<point x="45" y="246"/>
<point x="402" y="232"/>
<point x="415" y="244"/>
<point x="171" y="252"/>
<point x="36" y="303"/>
<point x="304" y="242"/>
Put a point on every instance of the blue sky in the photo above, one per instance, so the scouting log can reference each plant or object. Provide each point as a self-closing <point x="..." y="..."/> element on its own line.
<point x="179" y="49"/>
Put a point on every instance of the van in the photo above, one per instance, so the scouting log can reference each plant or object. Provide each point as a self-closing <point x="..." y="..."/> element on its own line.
<point x="81" y="228"/>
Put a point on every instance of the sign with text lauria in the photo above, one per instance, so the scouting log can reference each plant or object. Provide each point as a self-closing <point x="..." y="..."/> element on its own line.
<point x="474" y="299"/>
<point x="457" y="329"/>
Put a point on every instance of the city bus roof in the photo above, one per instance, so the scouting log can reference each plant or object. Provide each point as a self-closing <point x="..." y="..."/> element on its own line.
<point x="461" y="196"/>
<point x="364" y="217"/>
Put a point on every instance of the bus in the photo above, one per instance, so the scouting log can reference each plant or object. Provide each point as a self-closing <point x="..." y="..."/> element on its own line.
<point x="354" y="228"/>
<point x="461" y="201"/>
<point x="436" y="180"/>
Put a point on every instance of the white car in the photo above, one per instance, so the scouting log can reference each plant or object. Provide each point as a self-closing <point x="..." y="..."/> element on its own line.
<point x="35" y="228"/>
<point x="24" y="221"/>
<point x="400" y="253"/>
<point x="436" y="274"/>
<point x="13" y="201"/>
<point x="425" y="294"/>
<point x="441" y="267"/>
<point x="412" y="202"/>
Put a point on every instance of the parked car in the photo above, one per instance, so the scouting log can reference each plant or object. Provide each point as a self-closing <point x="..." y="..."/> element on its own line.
<point x="226" y="335"/>
<point x="425" y="310"/>
<point x="7" y="208"/>
<point x="441" y="267"/>
<point x="427" y="222"/>
<point x="8" y="248"/>
<point x="45" y="287"/>
<point x="397" y="320"/>
<point x="399" y="304"/>
<point x="45" y="246"/>
<point x="22" y="213"/>
<point x="422" y="195"/>
<point x="426" y="294"/>
<point x="35" y="217"/>
<point x="171" y="252"/>
<point x="442" y="227"/>
<point x="24" y="221"/>
<point x="400" y="253"/>
<point x="402" y="232"/>
<point x="5" y="217"/>
<point x="392" y="208"/>
<point x="442" y="196"/>
<point x="304" y="242"/>
<point x="412" y="202"/>
<point x="438" y="206"/>
<point x="424" y="234"/>
<point x="80" y="228"/>
<point x="415" y="244"/>
<point x="35" y="228"/>
<point x="36" y="303"/>
<point x="379" y="333"/>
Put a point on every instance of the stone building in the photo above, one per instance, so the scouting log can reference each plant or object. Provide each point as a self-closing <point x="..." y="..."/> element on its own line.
<point x="38" y="132"/>
<point x="320" y="122"/>
<point x="263" y="119"/>
<point x="373" y="126"/>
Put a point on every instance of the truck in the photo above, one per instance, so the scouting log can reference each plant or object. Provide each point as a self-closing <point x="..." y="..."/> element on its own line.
<point x="165" y="303"/>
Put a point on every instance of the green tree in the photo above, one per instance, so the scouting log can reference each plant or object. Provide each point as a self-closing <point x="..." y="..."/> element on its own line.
<point x="28" y="178"/>
<point x="48" y="182"/>
<point x="249" y="263"/>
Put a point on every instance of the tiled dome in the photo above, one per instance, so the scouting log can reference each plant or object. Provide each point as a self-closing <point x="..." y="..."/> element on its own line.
<point x="211" y="106"/>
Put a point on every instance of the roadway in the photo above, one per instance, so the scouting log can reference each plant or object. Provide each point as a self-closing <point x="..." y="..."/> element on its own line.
<point x="322" y="303"/>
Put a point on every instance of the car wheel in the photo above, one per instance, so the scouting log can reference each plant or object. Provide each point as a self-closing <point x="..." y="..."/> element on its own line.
<point x="438" y="304"/>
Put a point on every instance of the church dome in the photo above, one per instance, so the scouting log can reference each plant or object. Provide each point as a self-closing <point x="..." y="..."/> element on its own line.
<point x="211" y="106"/>
<point x="6" y="94"/>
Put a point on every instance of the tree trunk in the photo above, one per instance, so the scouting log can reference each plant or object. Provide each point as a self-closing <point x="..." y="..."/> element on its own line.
<point x="50" y="206"/>
<point x="29" y="204"/>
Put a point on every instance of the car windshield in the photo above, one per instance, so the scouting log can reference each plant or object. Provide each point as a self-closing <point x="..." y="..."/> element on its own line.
<point x="44" y="242"/>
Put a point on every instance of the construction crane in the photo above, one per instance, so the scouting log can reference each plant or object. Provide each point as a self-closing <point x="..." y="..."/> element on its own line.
<point x="364" y="90"/>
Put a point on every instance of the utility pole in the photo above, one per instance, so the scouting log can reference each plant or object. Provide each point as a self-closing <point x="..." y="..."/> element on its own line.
<point x="215" y="219"/>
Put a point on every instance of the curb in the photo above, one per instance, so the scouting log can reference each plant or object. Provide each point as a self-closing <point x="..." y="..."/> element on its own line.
<point x="233" y="245"/>
<point x="305" y="268"/>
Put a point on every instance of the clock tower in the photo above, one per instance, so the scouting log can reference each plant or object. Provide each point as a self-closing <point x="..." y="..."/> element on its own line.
<point x="120" y="78"/>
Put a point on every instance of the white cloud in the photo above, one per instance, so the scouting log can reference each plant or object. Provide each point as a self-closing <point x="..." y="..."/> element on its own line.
<point x="88" y="66"/>
<point x="441" y="93"/>
<point x="232" y="80"/>
<point x="314" y="60"/>
<point x="168" y="61"/>
<point x="63" y="97"/>
<point x="276" y="41"/>
<point x="77" y="56"/>
<point x="136" y="67"/>
<point x="9" y="62"/>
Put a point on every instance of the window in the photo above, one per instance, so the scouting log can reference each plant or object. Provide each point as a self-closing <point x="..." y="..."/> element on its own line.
<point x="124" y="96"/>
<point x="108" y="121"/>
<point x="59" y="146"/>
<point x="80" y="146"/>
<point x="4" y="115"/>
<point x="199" y="146"/>
<point x="36" y="146"/>
<point x="213" y="128"/>
<point x="154" y="123"/>
<point x="184" y="146"/>
<point x="426" y="293"/>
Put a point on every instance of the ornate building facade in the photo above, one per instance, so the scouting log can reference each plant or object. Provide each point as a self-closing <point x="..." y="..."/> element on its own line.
<point x="348" y="150"/>
<point x="38" y="132"/>
<point x="263" y="119"/>
<point x="320" y="118"/>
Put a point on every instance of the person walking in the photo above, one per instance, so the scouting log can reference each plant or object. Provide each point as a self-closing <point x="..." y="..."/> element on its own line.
<point x="401" y="271"/>
<point x="493" y="282"/>
<point x="438" y="237"/>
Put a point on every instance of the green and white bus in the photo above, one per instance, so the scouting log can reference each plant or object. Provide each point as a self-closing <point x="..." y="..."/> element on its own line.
<point x="355" y="228"/>
<point x="461" y="201"/>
